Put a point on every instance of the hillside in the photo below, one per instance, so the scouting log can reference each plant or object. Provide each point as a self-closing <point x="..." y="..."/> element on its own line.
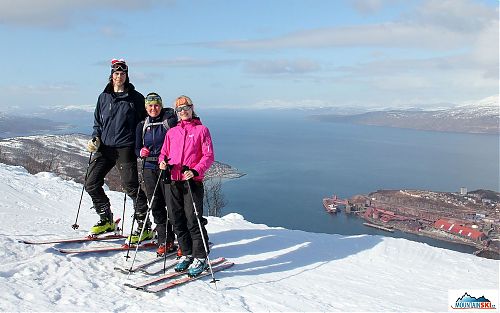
<point x="276" y="269"/>
<point x="13" y="125"/>
<point x="482" y="117"/>
<point x="66" y="156"/>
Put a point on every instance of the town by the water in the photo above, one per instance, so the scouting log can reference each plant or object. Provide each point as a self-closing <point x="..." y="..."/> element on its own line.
<point x="471" y="218"/>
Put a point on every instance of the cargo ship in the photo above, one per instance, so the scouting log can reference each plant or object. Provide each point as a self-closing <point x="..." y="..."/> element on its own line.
<point x="330" y="205"/>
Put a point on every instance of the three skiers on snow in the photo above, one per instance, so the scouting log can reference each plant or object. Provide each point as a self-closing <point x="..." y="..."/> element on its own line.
<point x="127" y="125"/>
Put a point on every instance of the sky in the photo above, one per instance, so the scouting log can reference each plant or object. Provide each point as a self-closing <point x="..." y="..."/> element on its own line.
<point x="276" y="269"/>
<point x="252" y="54"/>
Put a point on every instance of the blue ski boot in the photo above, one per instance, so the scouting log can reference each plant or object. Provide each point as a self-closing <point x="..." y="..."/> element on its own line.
<point x="184" y="263"/>
<point x="197" y="267"/>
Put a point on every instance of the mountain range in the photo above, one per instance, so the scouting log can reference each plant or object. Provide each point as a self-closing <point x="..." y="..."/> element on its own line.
<point x="481" y="117"/>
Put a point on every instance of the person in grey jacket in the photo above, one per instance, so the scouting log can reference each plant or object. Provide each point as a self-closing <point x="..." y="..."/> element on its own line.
<point x="118" y="111"/>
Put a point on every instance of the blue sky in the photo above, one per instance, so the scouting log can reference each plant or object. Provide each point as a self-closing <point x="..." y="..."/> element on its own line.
<point x="252" y="54"/>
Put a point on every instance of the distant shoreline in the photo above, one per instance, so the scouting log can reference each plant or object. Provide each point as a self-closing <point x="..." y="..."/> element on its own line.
<point x="471" y="218"/>
<point x="421" y="120"/>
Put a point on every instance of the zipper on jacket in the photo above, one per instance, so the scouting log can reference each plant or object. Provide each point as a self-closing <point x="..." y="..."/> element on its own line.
<point x="183" y="145"/>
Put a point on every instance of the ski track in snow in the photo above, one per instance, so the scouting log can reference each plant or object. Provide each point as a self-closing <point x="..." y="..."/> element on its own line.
<point x="276" y="269"/>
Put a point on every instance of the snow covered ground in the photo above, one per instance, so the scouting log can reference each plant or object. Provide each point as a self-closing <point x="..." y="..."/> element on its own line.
<point x="276" y="269"/>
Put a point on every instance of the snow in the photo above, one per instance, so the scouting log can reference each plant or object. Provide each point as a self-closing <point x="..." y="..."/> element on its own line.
<point x="276" y="269"/>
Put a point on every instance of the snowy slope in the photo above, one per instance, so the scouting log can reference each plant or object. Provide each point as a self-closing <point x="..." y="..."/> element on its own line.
<point x="277" y="269"/>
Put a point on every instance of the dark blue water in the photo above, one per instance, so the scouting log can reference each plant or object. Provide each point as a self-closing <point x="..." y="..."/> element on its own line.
<point x="292" y="161"/>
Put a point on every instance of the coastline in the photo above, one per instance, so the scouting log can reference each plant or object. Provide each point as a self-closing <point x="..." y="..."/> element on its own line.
<point x="490" y="252"/>
<point x="463" y="218"/>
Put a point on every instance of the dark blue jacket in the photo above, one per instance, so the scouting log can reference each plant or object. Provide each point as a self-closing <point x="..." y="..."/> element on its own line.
<point x="116" y="116"/>
<point x="154" y="135"/>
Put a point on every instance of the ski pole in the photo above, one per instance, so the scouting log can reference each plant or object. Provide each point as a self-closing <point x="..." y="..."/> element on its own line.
<point x="150" y="204"/>
<point x="201" y="229"/>
<point x="166" y="232"/>
<point x="75" y="225"/>
<point x="133" y="215"/>
<point x="123" y="214"/>
<point x="130" y="236"/>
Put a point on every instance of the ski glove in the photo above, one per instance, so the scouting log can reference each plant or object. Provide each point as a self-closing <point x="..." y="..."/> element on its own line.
<point x="186" y="168"/>
<point x="144" y="152"/>
<point x="93" y="144"/>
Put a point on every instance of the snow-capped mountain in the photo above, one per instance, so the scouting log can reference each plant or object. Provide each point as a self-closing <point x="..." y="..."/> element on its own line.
<point x="478" y="117"/>
<point x="488" y="107"/>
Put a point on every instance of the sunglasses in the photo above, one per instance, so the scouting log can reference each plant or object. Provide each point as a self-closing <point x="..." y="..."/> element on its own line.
<point x="183" y="108"/>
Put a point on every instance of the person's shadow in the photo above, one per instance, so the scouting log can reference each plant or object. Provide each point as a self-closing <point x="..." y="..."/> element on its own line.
<point x="273" y="250"/>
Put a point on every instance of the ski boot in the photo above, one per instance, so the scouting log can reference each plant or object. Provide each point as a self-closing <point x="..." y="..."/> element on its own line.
<point x="197" y="267"/>
<point x="103" y="226"/>
<point x="136" y="237"/>
<point x="106" y="223"/>
<point x="184" y="263"/>
<point x="165" y="248"/>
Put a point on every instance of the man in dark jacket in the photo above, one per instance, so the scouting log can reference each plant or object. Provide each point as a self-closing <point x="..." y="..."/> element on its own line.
<point x="118" y="111"/>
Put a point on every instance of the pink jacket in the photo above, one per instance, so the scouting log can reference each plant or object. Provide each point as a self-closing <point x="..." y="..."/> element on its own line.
<point x="189" y="143"/>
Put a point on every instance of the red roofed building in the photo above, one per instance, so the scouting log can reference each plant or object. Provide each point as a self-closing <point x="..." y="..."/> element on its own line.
<point x="460" y="230"/>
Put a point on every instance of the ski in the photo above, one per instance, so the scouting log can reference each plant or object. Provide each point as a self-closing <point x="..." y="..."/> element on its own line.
<point x="170" y="275"/>
<point x="109" y="248"/>
<point x="186" y="279"/>
<point x="75" y="240"/>
<point x="141" y="266"/>
<point x="168" y="265"/>
<point x="101" y="237"/>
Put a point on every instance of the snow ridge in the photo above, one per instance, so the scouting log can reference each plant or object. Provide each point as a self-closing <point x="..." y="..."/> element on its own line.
<point x="276" y="269"/>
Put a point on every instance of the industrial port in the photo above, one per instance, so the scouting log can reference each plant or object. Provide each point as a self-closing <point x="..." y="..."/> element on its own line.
<point x="471" y="218"/>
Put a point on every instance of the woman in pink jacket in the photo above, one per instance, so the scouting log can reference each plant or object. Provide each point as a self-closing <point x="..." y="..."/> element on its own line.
<point x="187" y="153"/>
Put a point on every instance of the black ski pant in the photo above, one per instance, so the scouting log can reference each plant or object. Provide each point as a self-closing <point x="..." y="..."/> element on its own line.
<point x="181" y="210"/>
<point x="101" y="164"/>
<point x="158" y="208"/>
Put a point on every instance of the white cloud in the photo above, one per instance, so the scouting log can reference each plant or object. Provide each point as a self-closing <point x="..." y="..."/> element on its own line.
<point x="397" y="35"/>
<point x="111" y="31"/>
<point x="186" y="62"/>
<point x="485" y="51"/>
<point x="300" y="66"/>
<point x="435" y="25"/>
<point x="61" y="13"/>
<point x="31" y="89"/>
<point x="371" y="6"/>
<point x="455" y="15"/>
